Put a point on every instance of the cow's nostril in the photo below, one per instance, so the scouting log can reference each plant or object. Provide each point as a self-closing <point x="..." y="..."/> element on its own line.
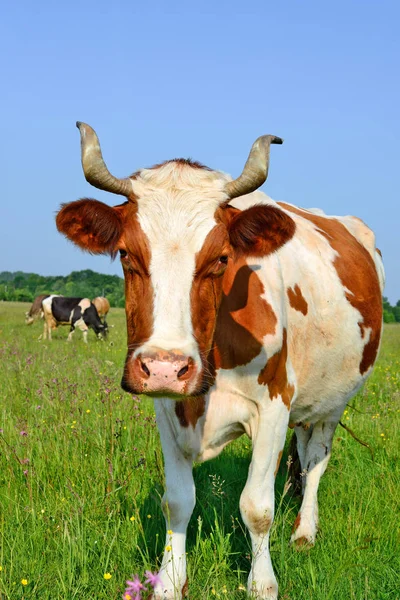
<point x="182" y="371"/>
<point x="145" y="369"/>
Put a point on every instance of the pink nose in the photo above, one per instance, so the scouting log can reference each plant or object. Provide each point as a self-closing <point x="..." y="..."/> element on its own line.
<point x="165" y="371"/>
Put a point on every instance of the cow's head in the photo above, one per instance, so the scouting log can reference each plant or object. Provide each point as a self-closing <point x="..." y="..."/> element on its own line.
<point x="176" y="234"/>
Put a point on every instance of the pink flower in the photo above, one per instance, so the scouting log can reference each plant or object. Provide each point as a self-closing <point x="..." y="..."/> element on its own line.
<point x="23" y="433"/>
<point x="152" y="578"/>
<point x="135" y="587"/>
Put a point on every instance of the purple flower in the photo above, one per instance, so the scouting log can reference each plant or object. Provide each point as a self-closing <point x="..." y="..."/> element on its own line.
<point x="23" y="432"/>
<point x="152" y="578"/>
<point x="1" y="430"/>
<point x="135" y="586"/>
<point x="25" y="461"/>
<point x="26" y="472"/>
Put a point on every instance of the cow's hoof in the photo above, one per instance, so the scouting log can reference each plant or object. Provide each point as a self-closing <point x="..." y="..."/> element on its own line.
<point x="304" y="532"/>
<point x="266" y="589"/>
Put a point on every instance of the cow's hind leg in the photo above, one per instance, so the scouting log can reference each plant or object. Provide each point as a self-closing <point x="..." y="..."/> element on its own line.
<point x="314" y="457"/>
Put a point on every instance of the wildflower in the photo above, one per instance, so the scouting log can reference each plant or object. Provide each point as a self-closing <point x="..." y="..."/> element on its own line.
<point x="241" y="588"/>
<point x="23" y="433"/>
<point x="168" y="548"/>
<point x="24" y="581"/>
<point x="170" y="532"/>
<point x="132" y="518"/>
<point x="88" y="411"/>
<point x="152" y="578"/>
<point x="107" y="576"/>
<point x="1" y="568"/>
<point x="134" y="586"/>
<point x="26" y="472"/>
<point x="149" y="516"/>
<point x="382" y="435"/>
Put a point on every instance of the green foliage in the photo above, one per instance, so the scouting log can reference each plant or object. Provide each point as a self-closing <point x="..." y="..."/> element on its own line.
<point x="24" y="287"/>
<point x="391" y="314"/>
<point x="79" y="458"/>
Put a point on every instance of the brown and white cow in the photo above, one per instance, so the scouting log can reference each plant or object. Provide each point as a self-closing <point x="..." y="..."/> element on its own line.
<point x="102" y="306"/>
<point x="244" y="316"/>
<point x="36" y="311"/>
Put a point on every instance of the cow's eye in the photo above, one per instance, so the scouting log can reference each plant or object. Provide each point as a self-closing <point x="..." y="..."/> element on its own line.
<point x="123" y="253"/>
<point x="223" y="259"/>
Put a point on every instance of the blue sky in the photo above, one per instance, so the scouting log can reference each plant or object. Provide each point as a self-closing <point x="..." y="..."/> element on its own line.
<point x="159" y="80"/>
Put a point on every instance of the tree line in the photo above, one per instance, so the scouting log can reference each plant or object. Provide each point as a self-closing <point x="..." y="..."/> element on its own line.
<point x="391" y="314"/>
<point x="24" y="287"/>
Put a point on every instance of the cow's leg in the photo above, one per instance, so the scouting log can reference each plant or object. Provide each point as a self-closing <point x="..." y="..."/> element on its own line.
<point x="303" y="434"/>
<point x="318" y="452"/>
<point x="257" y="499"/>
<point x="71" y="331"/>
<point x="47" y="329"/>
<point x="177" y="504"/>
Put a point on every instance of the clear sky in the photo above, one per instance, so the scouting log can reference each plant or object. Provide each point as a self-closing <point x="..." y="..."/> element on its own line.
<point x="159" y="80"/>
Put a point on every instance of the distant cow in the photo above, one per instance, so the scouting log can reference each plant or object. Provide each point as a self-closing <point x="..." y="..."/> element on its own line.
<point x="36" y="311"/>
<point x="77" y="312"/>
<point x="102" y="305"/>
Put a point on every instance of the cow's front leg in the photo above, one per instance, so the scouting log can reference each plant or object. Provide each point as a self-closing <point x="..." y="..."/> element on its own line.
<point x="257" y="499"/>
<point x="177" y="504"/>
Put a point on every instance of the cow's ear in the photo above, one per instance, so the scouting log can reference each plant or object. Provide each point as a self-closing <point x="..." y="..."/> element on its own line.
<point x="259" y="230"/>
<point x="91" y="225"/>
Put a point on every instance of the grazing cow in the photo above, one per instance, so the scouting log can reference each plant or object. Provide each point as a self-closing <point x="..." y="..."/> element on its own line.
<point x="76" y="312"/>
<point x="102" y="306"/>
<point x="35" y="311"/>
<point x="244" y="315"/>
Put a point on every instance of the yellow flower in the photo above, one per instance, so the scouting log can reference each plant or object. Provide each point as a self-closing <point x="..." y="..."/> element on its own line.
<point x="168" y="548"/>
<point x="127" y="597"/>
<point x="88" y="411"/>
<point x="149" y="516"/>
<point x="170" y="532"/>
<point x="1" y="568"/>
<point x="24" y="581"/>
<point x="382" y="435"/>
<point x="133" y="518"/>
<point x="241" y="588"/>
<point x="107" y="576"/>
<point x="213" y="591"/>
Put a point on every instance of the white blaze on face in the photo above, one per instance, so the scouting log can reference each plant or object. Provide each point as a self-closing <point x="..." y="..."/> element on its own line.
<point x="176" y="211"/>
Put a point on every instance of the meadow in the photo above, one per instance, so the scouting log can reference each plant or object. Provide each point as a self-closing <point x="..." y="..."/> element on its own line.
<point x="81" y="476"/>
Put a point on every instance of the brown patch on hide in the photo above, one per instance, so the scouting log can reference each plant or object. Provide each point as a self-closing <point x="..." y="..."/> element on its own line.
<point x="278" y="462"/>
<point x="297" y="300"/>
<point x="274" y="375"/>
<point x="258" y="522"/>
<point x="296" y="523"/>
<point x="190" y="410"/>
<point x="357" y="273"/>
<point x="244" y="318"/>
<point x="206" y="292"/>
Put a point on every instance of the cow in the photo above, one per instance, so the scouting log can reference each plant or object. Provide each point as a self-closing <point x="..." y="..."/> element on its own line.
<point x="76" y="312"/>
<point x="102" y="306"/>
<point x="35" y="312"/>
<point x="244" y="315"/>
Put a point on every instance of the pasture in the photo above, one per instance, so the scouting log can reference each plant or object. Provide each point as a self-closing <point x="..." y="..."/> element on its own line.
<point x="82" y="475"/>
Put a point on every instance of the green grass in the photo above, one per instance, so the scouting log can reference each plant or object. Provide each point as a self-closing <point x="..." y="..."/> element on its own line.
<point x="79" y="458"/>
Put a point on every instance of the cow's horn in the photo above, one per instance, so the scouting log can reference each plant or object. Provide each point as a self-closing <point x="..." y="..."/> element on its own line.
<point x="255" y="171"/>
<point x="95" y="168"/>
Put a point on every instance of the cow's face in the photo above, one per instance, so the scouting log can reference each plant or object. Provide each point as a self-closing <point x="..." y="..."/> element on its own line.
<point x="176" y="236"/>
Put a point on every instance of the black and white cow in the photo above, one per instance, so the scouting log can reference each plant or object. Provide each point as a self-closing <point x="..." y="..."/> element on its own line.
<point x="77" y="312"/>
